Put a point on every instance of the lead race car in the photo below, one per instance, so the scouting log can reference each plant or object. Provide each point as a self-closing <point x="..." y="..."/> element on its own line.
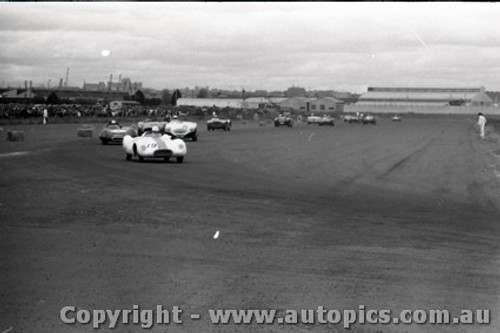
<point x="180" y="129"/>
<point x="154" y="144"/>
<point x="113" y="132"/>
<point x="217" y="123"/>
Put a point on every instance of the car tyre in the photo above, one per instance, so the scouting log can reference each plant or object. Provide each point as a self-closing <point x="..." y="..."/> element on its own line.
<point x="128" y="157"/>
<point x="180" y="159"/>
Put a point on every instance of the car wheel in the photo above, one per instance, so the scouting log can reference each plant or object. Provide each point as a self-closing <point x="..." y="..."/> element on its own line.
<point x="166" y="159"/>
<point x="141" y="159"/>
<point x="128" y="157"/>
<point x="104" y="141"/>
<point x="180" y="159"/>
<point x="195" y="137"/>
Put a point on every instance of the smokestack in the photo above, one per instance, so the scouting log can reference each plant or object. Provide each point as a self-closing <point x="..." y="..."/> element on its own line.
<point x="67" y="77"/>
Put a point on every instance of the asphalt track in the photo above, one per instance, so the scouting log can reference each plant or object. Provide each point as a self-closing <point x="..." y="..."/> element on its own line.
<point x="392" y="216"/>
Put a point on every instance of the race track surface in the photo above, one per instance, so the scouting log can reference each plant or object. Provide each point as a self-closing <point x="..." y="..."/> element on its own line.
<point x="392" y="216"/>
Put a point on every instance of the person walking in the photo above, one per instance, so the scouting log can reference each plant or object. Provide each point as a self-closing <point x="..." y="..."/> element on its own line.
<point x="481" y="124"/>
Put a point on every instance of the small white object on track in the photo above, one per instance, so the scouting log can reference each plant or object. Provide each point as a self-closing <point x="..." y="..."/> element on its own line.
<point x="216" y="235"/>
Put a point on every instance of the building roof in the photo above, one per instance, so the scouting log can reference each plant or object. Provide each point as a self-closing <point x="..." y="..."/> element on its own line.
<point x="419" y="94"/>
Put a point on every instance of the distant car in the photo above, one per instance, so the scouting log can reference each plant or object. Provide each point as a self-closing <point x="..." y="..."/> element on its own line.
<point x="325" y="120"/>
<point x="369" y="119"/>
<point x="113" y="132"/>
<point x="154" y="144"/>
<point x="180" y="129"/>
<point x="147" y="125"/>
<point x="396" y="118"/>
<point x="217" y="123"/>
<point x="351" y="118"/>
<point x="283" y="121"/>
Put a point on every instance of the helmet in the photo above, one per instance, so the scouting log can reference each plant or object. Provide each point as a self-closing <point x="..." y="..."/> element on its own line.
<point x="155" y="129"/>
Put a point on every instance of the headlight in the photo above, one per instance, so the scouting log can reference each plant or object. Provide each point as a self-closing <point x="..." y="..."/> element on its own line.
<point x="181" y="146"/>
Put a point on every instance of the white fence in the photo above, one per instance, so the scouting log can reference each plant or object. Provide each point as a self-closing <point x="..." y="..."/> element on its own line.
<point x="422" y="109"/>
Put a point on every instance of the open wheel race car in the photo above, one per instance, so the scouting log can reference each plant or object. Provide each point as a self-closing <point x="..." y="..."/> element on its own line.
<point x="154" y="144"/>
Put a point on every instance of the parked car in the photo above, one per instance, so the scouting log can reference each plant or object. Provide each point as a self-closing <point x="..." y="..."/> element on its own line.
<point x="282" y="120"/>
<point x="217" y="123"/>
<point x="154" y="144"/>
<point x="113" y="132"/>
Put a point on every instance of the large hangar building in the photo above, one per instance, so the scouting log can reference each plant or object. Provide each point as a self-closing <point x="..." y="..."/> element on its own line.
<point x="401" y="96"/>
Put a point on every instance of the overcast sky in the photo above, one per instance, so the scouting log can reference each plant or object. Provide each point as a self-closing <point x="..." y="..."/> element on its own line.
<point x="254" y="45"/>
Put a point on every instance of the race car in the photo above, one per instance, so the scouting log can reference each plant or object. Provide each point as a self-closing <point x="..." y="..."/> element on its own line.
<point x="217" y="123"/>
<point x="369" y="119"/>
<point x="282" y="120"/>
<point x="147" y="125"/>
<point x="154" y="144"/>
<point x="396" y="118"/>
<point x="179" y="129"/>
<point x="113" y="132"/>
<point x="325" y="120"/>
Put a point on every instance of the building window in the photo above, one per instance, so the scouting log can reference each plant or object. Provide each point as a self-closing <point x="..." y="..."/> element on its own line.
<point x="313" y="107"/>
<point x="322" y="107"/>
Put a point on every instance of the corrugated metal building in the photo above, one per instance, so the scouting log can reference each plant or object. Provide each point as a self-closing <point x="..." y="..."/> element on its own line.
<point x="424" y="96"/>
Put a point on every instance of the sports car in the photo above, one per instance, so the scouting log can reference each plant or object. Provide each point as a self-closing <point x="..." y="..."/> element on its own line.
<point x="369" y="119"/>
<point x="217" y="123"/>
<point x="396" y="118"/>
<point x="180" y="129"/>
<point x="283" y="121"/>
<point x="325" y="120"/>
<point x="147" y="125"/>
<point x="154" y="144"/>
<point x="113" y="132"/>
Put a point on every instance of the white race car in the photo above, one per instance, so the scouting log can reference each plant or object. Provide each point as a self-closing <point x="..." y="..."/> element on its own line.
<point x="182" y="129"/>
<point x="325" y="120"/>
<point x="154" y="144"/>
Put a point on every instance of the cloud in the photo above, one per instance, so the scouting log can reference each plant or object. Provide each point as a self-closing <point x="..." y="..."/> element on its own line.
<point x="257" y="45"/>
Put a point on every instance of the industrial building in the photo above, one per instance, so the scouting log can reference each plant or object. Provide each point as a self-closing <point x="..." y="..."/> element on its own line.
<point x="424" y="96"/>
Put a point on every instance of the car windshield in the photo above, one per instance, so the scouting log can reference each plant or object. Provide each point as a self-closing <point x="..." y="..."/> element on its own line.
<point x="113" y="126"/>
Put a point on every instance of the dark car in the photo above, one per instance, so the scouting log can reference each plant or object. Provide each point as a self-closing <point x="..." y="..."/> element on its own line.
<point x="217" y="123"/>
<point x="283" y="121"/>
<point x="113" y="132"/>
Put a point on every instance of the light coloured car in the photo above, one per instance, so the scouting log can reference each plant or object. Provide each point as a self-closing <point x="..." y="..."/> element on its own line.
<point x="180" y="129"/>
<point x="154" y="144"/>
<point x="369" y="119"/>
<point x="324" y="120"/>
<point x="396" y="118"/>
